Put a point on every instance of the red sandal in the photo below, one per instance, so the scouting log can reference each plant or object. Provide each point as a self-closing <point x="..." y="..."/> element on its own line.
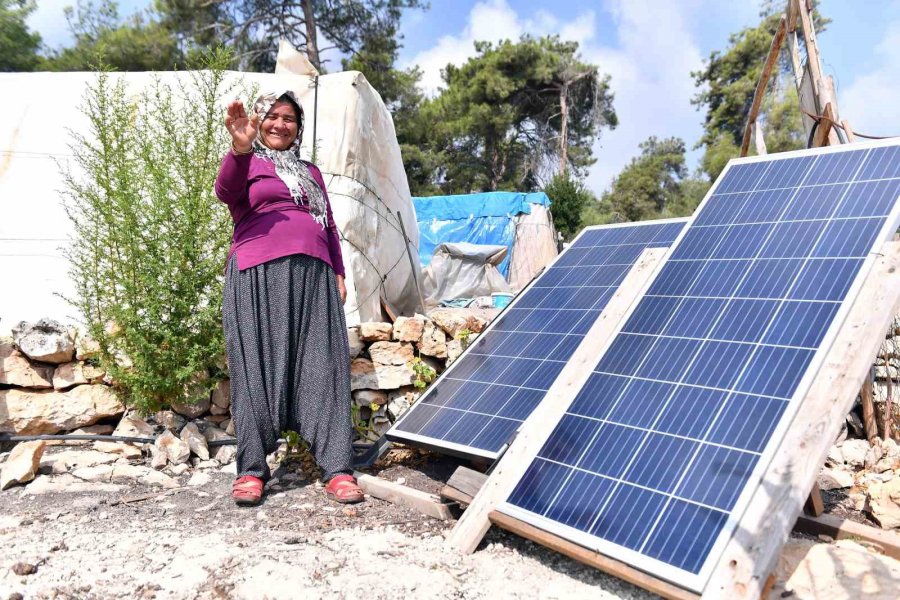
<point x="344" y="489"/>
<point x="247" y="490"/>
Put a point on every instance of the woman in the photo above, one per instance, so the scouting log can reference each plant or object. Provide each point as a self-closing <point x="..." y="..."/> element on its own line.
<point x="288" y="354"/>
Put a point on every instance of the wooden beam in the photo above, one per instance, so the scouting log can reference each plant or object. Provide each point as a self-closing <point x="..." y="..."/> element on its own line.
<point x="474" y="523"/>
<point x="427" y="504"/>
<point x="812" y="49"/>
<point x="591" y="558"/>
<point x="886" y="541"/>
<point x="867" y="400"/>
<point x="814" y="505"/>
<point x="759" y="140"/>
<point x="753" y="550"/>
<point x="771" y="60"/>
<point x="793" y="14"/>
<point x="848" y="131"/>
<point x="463" y="485"/>
<point x="824" y="128"/>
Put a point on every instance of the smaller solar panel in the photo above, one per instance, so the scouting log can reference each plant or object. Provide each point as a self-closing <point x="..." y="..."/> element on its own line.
<point x="477" y="405"/>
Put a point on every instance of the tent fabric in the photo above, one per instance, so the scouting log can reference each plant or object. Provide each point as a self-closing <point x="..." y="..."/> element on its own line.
<point x="463" y="270"/>
<point x="357" y="152"/>
<point x="487" y="218"/>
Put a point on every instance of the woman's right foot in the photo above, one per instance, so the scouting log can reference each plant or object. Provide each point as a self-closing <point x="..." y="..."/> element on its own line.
<point x="247" y="490"/>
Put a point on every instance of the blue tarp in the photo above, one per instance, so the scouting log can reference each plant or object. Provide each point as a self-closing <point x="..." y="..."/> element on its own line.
<point x="486" y="218"/>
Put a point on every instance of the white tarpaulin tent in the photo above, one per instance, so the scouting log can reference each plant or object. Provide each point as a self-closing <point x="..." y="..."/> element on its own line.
<point x="357" y="152"/>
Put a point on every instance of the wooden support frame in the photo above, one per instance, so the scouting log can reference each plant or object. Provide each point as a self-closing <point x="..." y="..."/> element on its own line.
<point x="744" y="567"/>
<point x="887" y="542"/>
<point x="771" y="61"/>
<point x="475" y="522"/>
<point x="425" y="503"/>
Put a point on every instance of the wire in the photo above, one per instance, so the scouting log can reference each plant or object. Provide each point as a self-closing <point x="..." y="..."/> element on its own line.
<point x="818" y="118"/>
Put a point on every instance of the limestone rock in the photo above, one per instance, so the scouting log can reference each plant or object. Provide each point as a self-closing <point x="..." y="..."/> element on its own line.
<point x="75" y="459"/>
<point x="22" y="464"/>
<point x="16" y="370"/>
<point x="364" y="374"/>
<point x="375" y="332"/>
<point x="129" y="426"/>
<point x="452" y="322"/>
<point x="225" y="454"/>
<point x="76" y="373"/>
<point x="400" y="400"/>
<point x="883" y="503"/>
<point x="124" y="474"/>
<point x="874" y="454"/>
<point x="67" y="484"/>
<point x="158" y="458"/>
<point x="854" y="452"/>
<point x="391" y="353"/>
<point x="192" y="411"/>
<point x="170" y="420"/>
<point x="86" y="347"/>
<point x="409" y="329"/>
<point x="356" y="344"/>
<point x="51" y="412"/>
<point x="454" y="350"/>
<point x="195" y="441"/>
<point x="199" y="479"/>
<point x="180" y="469"/>
<point x="835" y="456"/>
<point x="214" y="434"/>
<point x="844" y="570"/>
<point x="434" y="341"/>
<point x="221" y="395"/>
<point x="370" y="397"/>
<point x="834" y="479"/>
<point x="229" y="427"/>
<point x="46" y="341"/>
<point x="176" y="450"/>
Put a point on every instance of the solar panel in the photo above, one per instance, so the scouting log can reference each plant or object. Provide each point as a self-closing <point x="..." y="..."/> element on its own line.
<point x="481" y="399"/>
<point x="658" y="454"/>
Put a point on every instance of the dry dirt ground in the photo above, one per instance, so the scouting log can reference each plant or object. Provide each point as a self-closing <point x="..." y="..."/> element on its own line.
<point x="83" y="541"/>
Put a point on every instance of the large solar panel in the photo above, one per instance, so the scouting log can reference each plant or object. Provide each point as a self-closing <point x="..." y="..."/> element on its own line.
<point x="658" y="454"/>
<point x="483" y="397"/>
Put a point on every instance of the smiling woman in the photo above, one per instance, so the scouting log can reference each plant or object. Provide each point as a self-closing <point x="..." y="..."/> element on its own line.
<point x="285" y="330"/>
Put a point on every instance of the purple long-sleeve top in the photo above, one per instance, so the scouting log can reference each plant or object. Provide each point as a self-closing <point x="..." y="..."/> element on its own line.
<point x="267" y="222"/>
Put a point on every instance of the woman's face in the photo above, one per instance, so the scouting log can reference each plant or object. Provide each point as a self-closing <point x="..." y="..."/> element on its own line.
<point x="279" y="127"/>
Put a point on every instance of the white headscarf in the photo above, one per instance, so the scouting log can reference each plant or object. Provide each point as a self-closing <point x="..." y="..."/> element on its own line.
<point x="289" y="167"/>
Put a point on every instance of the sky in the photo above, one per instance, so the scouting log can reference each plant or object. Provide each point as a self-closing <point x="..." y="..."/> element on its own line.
<point x="648" y="47"/>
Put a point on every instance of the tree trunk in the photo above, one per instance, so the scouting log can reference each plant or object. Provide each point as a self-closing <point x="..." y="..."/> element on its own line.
<point x="312" y="46"/>
<point x="563" y="127"/>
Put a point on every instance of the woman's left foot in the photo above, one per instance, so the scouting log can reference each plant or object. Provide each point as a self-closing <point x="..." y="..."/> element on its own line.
<point x="344" y="489"/>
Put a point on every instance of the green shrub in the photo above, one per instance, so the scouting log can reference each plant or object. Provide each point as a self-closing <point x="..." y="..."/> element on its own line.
<point x="150" y="238"/>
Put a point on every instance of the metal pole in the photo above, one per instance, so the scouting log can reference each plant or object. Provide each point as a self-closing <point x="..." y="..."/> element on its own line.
<point x="315" y="115"/>
<point x="412" y="262"/>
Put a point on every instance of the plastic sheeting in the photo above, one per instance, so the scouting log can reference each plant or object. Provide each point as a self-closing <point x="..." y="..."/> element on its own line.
<point x="463" y="270"/>
<point x="357" y="152"/>
<point x="517" y="220"/>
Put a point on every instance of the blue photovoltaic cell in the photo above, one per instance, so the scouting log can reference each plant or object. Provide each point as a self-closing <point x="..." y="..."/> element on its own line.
<point x="476" y="406"/>
<point x="661" y="442"/>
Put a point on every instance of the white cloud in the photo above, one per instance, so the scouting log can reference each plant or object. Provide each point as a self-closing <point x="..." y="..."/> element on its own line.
<point x="493" y="21"/>
<point x="870" y="102"/>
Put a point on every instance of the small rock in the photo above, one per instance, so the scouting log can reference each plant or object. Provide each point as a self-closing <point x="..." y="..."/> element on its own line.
<point x="369" y="397"/>
<point x="16" y="370"/>
<point x="434" y="341"/>
<point x="454" y="351"/>
<point x="46" y="341"/>
<point x="225" y="454"/>
<point x="179" y="469"/>
<point x="170" y="420"/>
<point x="177" y="450"/>
<point x="834" y="479"/>
<point x="844" y="570"/>
<point x="835" y="456"/>
<point x="75" y="373"/>
<point x="23" y="568"/>
<point x="825" y="538"/>
<point x="356" y="344"/>
<point x="22" y="464"/>
<point x="159" y="459"/>
<point x="129" y="426"/>
<point x="874" y="454"/>
<point x="199" y="479"/>
<point x="207" y="464"/>
<point x="221" y="395"/>
<point x="229" y="427"/>
<point x="391" y="353"/>
<point x="449" y="321"/>
<point x="408" y="329"/>
<point x="86" y="347"/>
<point x="854" y="452"/>
<point x="375" y="332"/>
<point x="192" y="410"/>
<point x="883" y="503"/>
<point x="195" y="441"/>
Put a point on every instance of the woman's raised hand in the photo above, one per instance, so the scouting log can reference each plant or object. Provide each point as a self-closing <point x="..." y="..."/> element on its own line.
<point x="241" y="127"/>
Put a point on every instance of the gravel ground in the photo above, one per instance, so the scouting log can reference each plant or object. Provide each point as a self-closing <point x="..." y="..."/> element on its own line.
<point x="82" y="541"/>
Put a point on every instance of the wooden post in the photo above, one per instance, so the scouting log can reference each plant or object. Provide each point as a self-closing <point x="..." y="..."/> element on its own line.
<point x="824" y="129"/>
<point x="771" y="60"/>
<point x="753" y="550"/>
<point x="851" y="137"/>
<point x="759" y="140"/>
<point x="866" y="394"/>
<point x="814" y="505"/>
<point x="474" y="523"/>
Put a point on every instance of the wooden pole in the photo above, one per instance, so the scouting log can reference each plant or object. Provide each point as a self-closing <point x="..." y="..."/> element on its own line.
<point x="868" y="407"/>
<point x="763" y="82"/>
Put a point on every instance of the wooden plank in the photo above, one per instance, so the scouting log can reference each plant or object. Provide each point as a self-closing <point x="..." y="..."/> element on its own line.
<point x="827" y="95"/>
<point x="451" y="494"/>
<point x="468" y="481"/>
<point x="759" y="140"/>
<point x="887" y="542"/>
<point x="474" y="523"/>
<point x="866" y="398"/>
<point x="814" y="506"/>
<point x="427" y="504"/>
<point x="771" y="60"/>
<point x="591" y="558"/>
<point x="824" y="129"/>
<point x="753" y="550"/>
<point x="793" y="14"/>
<point x="812" y="49"/>
<point x="848" y="131"/>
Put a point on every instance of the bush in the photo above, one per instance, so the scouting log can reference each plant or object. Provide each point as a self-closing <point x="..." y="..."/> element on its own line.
<point x="568" y="198"/>
<point x="150" y="238"/>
